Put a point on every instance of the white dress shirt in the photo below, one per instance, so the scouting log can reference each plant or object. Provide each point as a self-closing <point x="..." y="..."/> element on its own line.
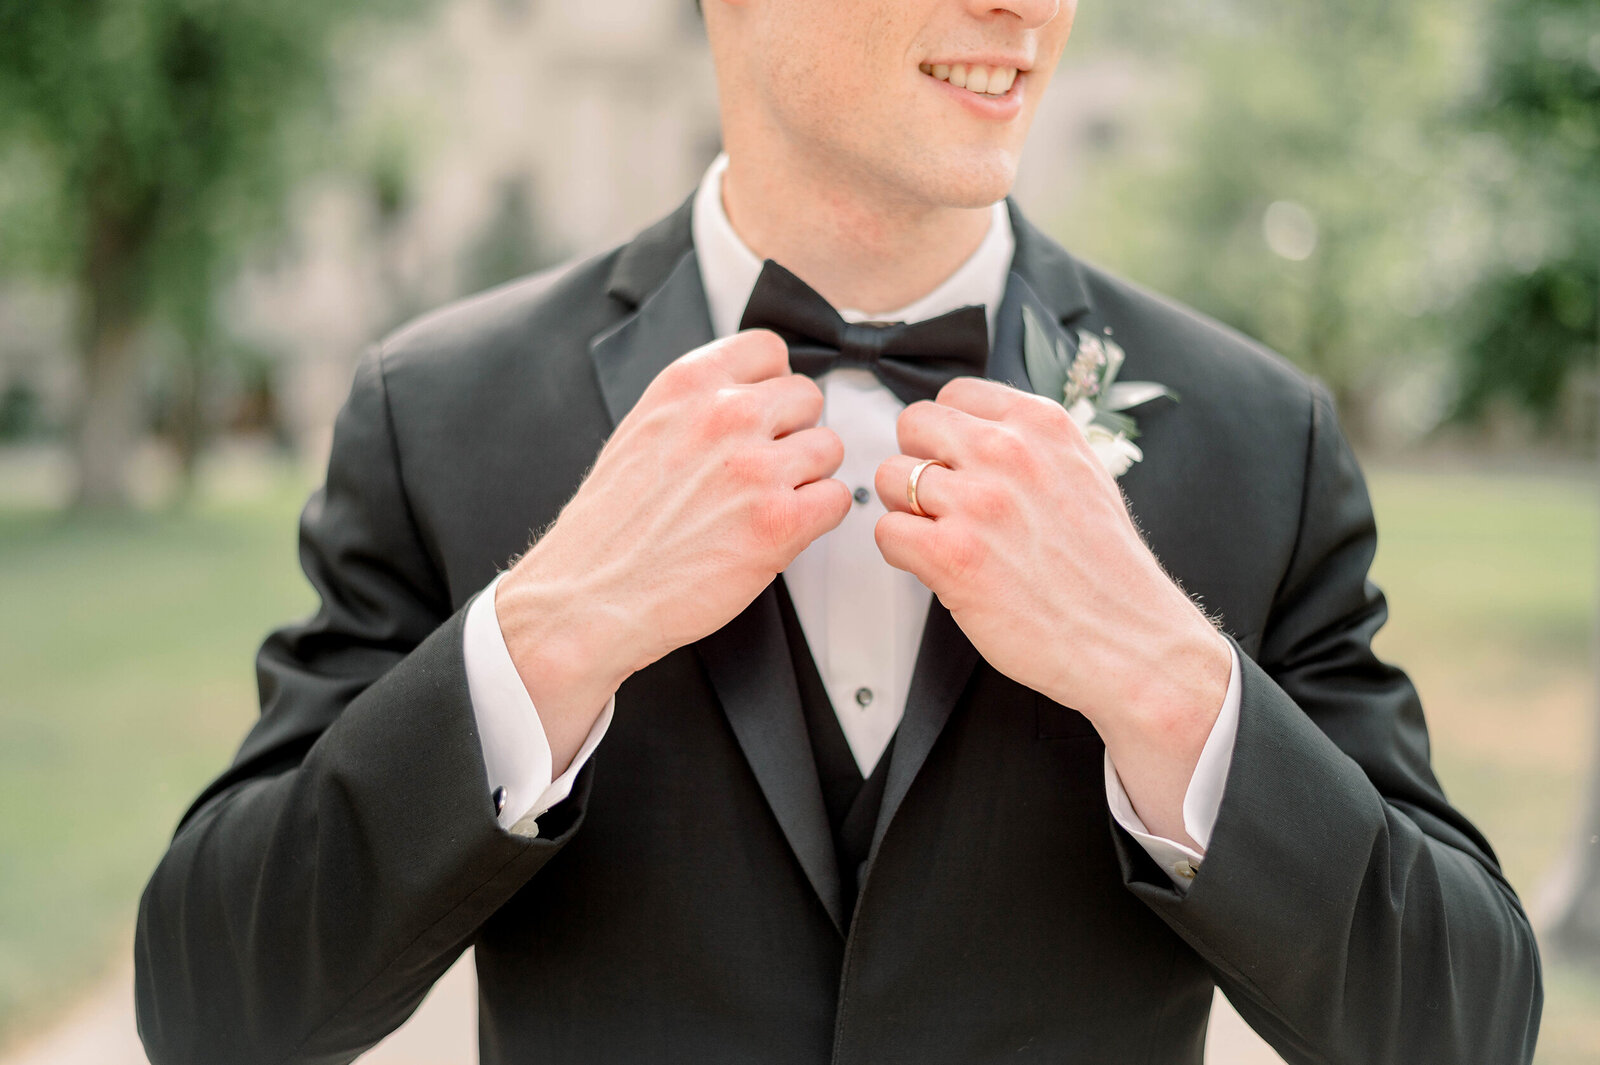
<point x="861" y="617"/>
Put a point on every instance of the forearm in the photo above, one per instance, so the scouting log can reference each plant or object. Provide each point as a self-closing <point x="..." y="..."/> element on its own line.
<point x="1346" y="923"/>
<point x="568" y="661"/>
<point x="1156" y="744"/>
<point x="301" y="916"/>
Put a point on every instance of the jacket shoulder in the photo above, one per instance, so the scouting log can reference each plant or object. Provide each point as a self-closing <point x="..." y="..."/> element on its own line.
<point x="537" y="313"/>
<point x="1208" y="363"/>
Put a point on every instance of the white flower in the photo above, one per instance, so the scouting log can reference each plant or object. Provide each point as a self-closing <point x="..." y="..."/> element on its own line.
<point x="1114" y="450"/>
<point x="1084" y="378"/>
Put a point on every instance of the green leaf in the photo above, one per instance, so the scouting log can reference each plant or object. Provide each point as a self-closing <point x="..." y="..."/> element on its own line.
<point x="1117" y="423"/>
<point x="1044" y="357"/>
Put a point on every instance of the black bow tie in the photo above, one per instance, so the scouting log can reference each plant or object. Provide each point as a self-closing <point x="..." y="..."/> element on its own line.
<point x="912" y="360"/>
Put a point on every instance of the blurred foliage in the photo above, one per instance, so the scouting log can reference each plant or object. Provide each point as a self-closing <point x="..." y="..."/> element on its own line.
<point x="1402" y="197"/>
<point x="1382" y="192"/>
<point x="511" y="243"/>
<point x="144" y="145"/>
<point x="20" y="417"/>
<point x="1534" y="316"/>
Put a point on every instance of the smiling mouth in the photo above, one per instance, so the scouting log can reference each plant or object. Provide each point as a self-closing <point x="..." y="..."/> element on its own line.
<point x="985" y="81"/>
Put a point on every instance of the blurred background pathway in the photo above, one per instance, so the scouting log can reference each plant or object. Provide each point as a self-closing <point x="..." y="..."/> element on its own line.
<point x="441" y="1032"/>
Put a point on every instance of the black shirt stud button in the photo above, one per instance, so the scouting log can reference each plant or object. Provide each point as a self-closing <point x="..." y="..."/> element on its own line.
<point x="862" y="495"/>
<point x="499" y="797"/>
<point x="864" y="696"/>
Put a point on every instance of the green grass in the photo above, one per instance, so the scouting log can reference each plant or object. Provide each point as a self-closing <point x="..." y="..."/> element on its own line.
<point x="126" y="645"/>
<point x="1496" y="559"/>
<point x="126" y="648"/>
<point x="1491" y="583"/>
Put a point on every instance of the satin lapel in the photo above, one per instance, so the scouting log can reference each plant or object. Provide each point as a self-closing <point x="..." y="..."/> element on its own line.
<point x="672" y="320"/>
<point x="747" y="660"/>
<point x="750" y="668"/>
<point x="1044" y="277"/>
<point x="944" y="663"/>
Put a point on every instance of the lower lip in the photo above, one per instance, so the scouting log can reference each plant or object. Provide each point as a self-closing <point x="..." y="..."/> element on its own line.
<point x="995" y="108"/>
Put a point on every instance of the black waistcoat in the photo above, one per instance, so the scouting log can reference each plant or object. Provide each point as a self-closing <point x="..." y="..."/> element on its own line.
<point x="852" y="802"/>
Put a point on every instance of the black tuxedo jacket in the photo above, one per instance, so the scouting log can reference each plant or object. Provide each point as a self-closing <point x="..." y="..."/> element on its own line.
<point x="684" y="904"/>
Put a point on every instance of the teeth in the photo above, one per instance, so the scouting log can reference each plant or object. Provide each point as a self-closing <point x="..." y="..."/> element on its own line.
<point x="990" y="81"/>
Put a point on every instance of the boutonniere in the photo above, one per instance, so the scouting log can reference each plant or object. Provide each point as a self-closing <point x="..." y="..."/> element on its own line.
<point x="1085" y="381"/>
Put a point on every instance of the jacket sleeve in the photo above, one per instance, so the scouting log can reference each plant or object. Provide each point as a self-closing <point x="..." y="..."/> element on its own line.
<point x="315" y="891"/>
<point x="1347" y="910"/>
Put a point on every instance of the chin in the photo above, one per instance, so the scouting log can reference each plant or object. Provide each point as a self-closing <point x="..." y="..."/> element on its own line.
<point x="965" y="178"/>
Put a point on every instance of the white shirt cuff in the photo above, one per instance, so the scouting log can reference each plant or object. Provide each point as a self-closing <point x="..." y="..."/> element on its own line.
<point x="1201" y="800"/>
<point x="516" y="751"/>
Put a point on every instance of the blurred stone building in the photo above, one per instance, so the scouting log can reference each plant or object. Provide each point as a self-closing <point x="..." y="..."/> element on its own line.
<point x="498" y="137"/>
<point x="490" y="139"/>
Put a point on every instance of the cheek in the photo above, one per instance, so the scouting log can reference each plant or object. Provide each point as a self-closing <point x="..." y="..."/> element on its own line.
<point x="837" y="106"/>
<point x="845" y="59"/>
<point x="1052" y="42"/>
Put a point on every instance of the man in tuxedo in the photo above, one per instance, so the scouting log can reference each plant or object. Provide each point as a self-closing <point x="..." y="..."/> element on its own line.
<point x="845" y="706"/>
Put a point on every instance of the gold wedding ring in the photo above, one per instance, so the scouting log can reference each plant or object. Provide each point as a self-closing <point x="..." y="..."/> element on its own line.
<point x="911" y="485"/>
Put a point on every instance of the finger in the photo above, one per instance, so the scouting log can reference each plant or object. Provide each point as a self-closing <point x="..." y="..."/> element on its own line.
<point x="893" y="480"/>
<point x="750" y="356"/>
<point x="793" y="402"/>
<point x="983" y="398"/>
<point x="823" y="505"/>
<point x="903" y="540"/>
<point x="932" y="431"/>
<point x="809" y="454"/>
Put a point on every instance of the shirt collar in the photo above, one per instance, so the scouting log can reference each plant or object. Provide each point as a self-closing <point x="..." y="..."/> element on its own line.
<point x="728" y="268"/>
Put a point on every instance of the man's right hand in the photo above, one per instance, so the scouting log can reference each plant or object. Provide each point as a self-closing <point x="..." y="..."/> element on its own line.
<point x="710" y="486"/>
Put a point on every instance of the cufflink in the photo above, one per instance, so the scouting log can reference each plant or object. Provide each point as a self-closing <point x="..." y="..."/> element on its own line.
<point x="499" y="797"/>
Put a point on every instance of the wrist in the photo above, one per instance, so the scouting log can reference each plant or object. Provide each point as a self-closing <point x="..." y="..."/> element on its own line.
<point x="1173" y="687"/>
<point x="564" y="645"/>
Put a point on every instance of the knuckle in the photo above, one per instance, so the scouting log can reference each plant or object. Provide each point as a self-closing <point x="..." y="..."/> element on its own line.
<point x="1000" y="446"/>
<point x="830" y="448"/>
<point x="830" y="509"/>
<point x="760" y="345"/>
<point x="992" y="500"/>
<point x="844" y="499"/>
<point x="914" y="421"/>
<point x="885" y="535"/>
<point x="733" y="410"/>
<point x="959" y="555"/>
<point x="774" y="521"/>
<point x="883" y="480"/>
<point x="747" y="467"/>
<point x="986" y="445"/>
<point x="695" y="370"/>
<point x="810" y="395"/>
<point x="1049" y="413"/>
<point x="955" y="390"/>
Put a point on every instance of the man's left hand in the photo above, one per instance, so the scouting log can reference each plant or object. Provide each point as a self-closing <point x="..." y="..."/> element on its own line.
<point x="1030" y="546"/>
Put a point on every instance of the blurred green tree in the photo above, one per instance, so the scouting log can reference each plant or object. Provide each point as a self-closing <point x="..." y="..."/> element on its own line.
<point x="1538" y="304"/>
<point x="144" y="145"/>
<point x="1301" y="194"/>
<point x="511" y="243"/>
<point x="1533" y="318"/>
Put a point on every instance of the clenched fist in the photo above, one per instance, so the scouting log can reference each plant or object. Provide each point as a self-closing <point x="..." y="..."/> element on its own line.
<point x="712" y="484"/>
